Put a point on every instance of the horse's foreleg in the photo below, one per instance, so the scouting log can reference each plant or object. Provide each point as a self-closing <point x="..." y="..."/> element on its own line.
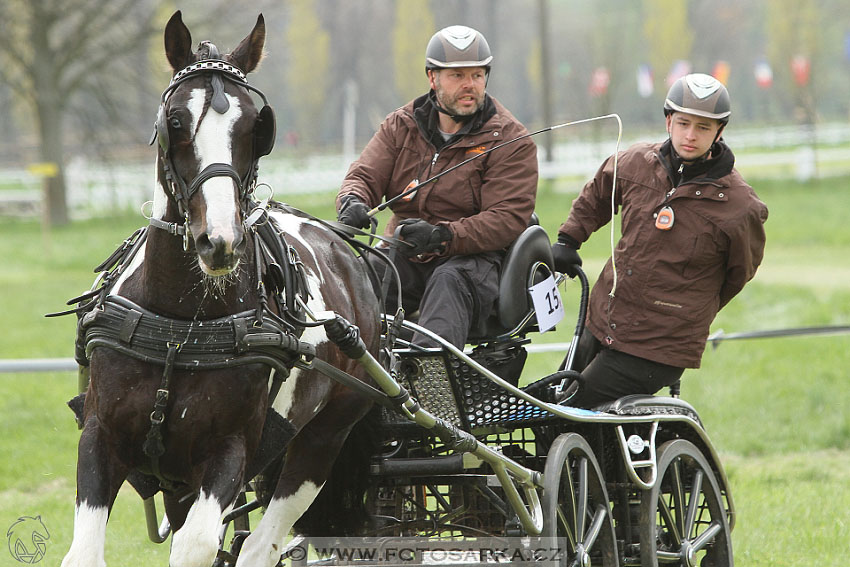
<point x="308" y="463"/>
<point x="196" y="543"/>
<point x="99" y="476"/>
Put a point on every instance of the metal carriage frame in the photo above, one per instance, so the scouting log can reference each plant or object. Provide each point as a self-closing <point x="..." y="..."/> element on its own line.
<point x="636" y="482"/>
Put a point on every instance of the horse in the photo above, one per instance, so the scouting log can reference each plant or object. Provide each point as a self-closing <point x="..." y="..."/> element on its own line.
<point x="188" y="344"/>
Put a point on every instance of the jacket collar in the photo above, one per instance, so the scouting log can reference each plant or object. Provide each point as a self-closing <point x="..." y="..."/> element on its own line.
<point x="427" y="119"/>
<point x="719" y="165"/>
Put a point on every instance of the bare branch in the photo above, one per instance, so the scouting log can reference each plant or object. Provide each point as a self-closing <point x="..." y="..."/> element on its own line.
<point x="119" y="43"/>
<point x="94" y="25"/>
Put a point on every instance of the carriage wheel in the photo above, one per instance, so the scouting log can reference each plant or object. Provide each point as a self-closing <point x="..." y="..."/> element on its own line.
<point x="575" y="504"/>
<point x="683" y="519"/>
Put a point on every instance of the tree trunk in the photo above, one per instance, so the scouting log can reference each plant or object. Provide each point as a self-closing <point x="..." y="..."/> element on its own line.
<point x="49" y="100"/>
<point x="50" y="132"/>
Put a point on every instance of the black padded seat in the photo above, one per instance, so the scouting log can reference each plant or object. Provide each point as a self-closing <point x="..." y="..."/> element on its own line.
<point x="640" y="404"/>
<point x="514" y="304"/>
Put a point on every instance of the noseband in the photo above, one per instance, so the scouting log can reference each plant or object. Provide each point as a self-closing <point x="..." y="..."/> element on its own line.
<point x="179" y="191"/>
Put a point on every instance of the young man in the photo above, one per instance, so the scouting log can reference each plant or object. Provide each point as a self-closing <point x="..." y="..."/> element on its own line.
<point x="460" y="225"/>
<point x="692" y="236"/>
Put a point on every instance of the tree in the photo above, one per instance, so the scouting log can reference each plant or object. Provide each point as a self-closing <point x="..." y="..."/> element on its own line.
<point x="414" y="25"/>
<point x="308" y="72"/>
<point x="49" y="51"/>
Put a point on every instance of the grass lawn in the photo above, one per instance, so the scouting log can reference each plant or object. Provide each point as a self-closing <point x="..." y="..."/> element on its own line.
<point x="778" y="410"/>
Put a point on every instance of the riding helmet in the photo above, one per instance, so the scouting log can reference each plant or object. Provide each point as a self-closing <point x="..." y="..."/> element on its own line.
<point x="699" y="94"/>
<point x="457" y="46"/>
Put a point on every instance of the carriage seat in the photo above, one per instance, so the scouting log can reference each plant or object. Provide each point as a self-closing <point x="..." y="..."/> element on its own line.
<point x="640" y="404"/>
<point x="520" y="270"/>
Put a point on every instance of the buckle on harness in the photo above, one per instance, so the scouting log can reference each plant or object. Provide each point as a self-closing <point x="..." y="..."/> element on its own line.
<point x="161" y="396"/>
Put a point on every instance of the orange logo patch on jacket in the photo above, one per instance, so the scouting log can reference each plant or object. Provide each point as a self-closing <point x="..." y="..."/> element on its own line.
<point x="476" y="150"/>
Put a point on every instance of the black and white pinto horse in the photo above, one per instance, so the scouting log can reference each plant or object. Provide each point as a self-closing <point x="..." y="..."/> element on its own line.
<point x="198" y="265"/>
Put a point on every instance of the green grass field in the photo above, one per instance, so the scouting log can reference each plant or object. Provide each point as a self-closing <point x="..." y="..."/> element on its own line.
<point x="778" y="410"/>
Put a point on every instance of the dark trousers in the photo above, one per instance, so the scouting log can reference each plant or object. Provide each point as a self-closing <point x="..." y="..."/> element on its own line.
<point x="608" y="374"/>
<point x="455" y="296"/>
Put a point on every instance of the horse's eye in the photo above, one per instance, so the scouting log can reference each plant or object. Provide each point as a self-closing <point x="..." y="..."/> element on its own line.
<point x="175" y="122"/>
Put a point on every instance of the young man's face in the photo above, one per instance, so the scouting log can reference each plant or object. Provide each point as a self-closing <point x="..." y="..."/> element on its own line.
<point x="692" y="135"/>
<point x="459" y="90"/>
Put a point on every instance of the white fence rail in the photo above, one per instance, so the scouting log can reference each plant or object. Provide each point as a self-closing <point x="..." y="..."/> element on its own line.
<point x="95" y="189"/>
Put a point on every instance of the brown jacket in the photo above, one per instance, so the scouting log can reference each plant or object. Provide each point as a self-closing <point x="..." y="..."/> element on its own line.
<point x="670" y="283"/>
<point x="485" y="204"/>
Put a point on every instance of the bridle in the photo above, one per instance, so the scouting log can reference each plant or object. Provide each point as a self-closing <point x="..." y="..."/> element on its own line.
<point x="177" y="188"/>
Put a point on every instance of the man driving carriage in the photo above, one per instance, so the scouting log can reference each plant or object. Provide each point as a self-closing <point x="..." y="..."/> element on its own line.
<point x="457" y="227"/>
<point x="692" y="237"/>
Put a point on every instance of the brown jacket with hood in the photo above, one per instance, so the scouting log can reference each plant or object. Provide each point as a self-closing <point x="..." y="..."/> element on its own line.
<point x="485" y="204"/>
<point x="670" y="284"/>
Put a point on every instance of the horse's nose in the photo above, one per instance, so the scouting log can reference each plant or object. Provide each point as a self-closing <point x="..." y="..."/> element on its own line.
<point x="218" y="253"/>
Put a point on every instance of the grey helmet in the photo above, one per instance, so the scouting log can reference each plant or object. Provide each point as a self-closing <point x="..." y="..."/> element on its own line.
<point x="699" y="94"/>
<point x="457" y="46"/>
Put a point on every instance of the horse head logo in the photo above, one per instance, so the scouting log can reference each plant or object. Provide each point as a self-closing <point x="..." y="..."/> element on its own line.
<point x="28" y="539"/>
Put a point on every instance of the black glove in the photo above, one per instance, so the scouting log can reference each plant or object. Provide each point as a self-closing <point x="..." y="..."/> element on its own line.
<point x="565" y="254"/>
<point x="424" y="237"/>
<point x="353" y="212"/>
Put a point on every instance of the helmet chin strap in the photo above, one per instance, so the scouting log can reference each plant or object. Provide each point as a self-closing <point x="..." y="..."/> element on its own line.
<point x="460" y="119"/>
<point x="704" y="156"/>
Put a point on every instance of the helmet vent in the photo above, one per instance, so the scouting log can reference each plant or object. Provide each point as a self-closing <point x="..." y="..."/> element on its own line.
<point x="460" y="37"/>
<point x="702" y="86"/>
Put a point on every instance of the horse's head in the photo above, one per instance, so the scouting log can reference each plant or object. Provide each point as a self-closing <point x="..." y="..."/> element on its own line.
<point x="210" y="138"/>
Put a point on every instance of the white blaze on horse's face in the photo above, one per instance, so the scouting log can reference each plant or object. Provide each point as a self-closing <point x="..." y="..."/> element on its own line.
<point x="213" y="144"/>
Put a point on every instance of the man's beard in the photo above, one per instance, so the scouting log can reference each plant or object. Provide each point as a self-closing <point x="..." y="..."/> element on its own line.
<point x="452" y="105"/>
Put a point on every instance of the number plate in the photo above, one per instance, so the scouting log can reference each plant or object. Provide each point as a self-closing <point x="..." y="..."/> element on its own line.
<point x="547" y="304"/>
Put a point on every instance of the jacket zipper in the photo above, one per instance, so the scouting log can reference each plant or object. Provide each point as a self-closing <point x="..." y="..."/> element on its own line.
<point x="433" y="161"/>
<point x="678" y="183"/>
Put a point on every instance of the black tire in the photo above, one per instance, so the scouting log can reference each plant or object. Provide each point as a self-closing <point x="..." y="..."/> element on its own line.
<point x="576" y="509"/>
<point x="683" y="518"/>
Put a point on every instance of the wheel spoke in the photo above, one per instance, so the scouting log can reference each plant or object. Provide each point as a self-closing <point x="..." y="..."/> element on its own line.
<point x="564" y="526"/>
<point x="567" y="518"/>
<point x="677" y="493"/>
<point x="595" y="526"/>
<point x="693" y="505"/>
<point x="668" y="520"/>
<point x="707" y="536"/>
<point x="581" y="501"/>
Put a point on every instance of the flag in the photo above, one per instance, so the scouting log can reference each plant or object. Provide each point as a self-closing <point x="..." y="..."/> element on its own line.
<point x="599" y="82"/>
<point x="645" y="81"/>
<point x="801" y="68"/>
<point x="679" y="69"/>
<point x="763" y="74"/>
<point x="721" y="72"/>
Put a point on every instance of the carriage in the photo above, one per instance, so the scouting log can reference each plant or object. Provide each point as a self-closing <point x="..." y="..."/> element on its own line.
<point x="467" y="453"/>
<point x="225" y="306"/>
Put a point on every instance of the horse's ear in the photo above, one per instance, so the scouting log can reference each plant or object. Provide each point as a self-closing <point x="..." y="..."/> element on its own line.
<point x="248" y="53"/>
<point x="178" y="42"/>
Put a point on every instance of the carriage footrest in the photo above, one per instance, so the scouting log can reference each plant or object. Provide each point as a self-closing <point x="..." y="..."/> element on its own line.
<point x="650" y="405"/>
